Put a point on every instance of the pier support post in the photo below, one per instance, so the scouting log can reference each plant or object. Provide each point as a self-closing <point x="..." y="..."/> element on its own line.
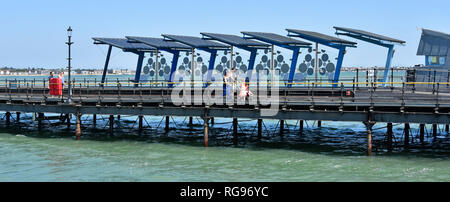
<point x="78" y="130"/>
<point x="281" y="128"/>
<point x="111" y="125"/>
<point x="319" y="124"/>
<point x="447" y="129"/>
<point x="68" y="121"/>
<point x="206" y="130"/>
<point x="8" y="118"/>
<point x="434" y="130"/>
<point x="369" y="126"/>
<point x="167" y="124"/>
<point x="190" y="121"/>
<point x="212" y="121"/>
<point x="140" y="123"/>
<point x="407" y="134"/>
<point x="301" y="126"/>
<point x="17" y="117"/>
<point x="422" y="132"/>
<point x="118" y="117"/>
<point x="94" y="120"/>
<point x="40" y="118"/>
<point x="259" y="128"/>
<point x="389" y="136"/>
<point x="235" y="129"/>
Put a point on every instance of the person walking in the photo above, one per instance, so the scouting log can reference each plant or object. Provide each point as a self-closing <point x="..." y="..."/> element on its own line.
<point x="61" y="76"/>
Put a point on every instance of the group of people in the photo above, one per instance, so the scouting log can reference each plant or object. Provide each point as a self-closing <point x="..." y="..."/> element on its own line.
<point x="230" y="80"/>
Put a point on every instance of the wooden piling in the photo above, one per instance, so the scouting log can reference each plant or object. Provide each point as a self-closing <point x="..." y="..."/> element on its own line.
<point x="447" y="128"/>
<point x="434" y="130"/>
<point x="389" y="136"/>
<point x="407" y="127"/>
<point x="259" y="128"/>
<point x="212" y="121"/>
<point x="17" y="117"/>
<point x="422" y="132"/>
<point x="191" y="121"/>
<point x="301" y="126"/>
<point x="319" y="124"/>
<point x="40" y="118"/>
<point x="206" y="130"/>
<point x="8" y="118"/>
<point x="235" y="129"/>
<point x="167" y="124"/>
<point x="68" y="121"/>
<point x="369" y="138"/>
<point x="140" y="123"/>
<point x="78" y="129"/>
<point x="281" y="128"/>
<point x="111" y="125"/>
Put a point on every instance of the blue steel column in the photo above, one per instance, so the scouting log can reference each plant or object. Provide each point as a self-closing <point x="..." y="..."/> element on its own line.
<point x="176" y="54"/>
<point x="212" y="61"/>
<point x="138" y="69"/>
<point x="251" y="63"/>
<point x="105" y="69"/>
<point x="293" y="65"/>
<point x="388" y="64"/>
<point x="338" y="66"/>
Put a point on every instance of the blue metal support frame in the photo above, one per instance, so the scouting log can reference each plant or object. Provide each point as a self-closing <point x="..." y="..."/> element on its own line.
<point x="176" y="54"/>
<point x="295" y="50"/>
<point x="105" y="68"/>
<point x="137" y="76"/>
<point x="212" y="61"/>
<point x="338" y="46"/>
<point x="293" y="65"/>
<point x="251" y="62"/>
<point x="389" y="46"/>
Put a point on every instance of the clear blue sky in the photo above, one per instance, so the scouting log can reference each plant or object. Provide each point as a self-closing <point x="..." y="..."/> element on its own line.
<point x="33" y="33"/>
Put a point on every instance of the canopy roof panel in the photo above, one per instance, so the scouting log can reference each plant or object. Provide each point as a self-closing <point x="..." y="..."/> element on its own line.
<point x="235" y="40"/>
<point x="276" y="38"/>
<point x="196" y="42"/>
<point x="322" y="37"/>
<point x="123" y="44"/>
<point x="159" y="43"/>
<point x="369" y="35"/>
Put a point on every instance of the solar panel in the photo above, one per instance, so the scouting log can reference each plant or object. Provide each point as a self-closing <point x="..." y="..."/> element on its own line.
<point x="158" y="42"/>
<point x="124" y="44"/>
<point x="234" y="40"/>
<point x="369" y="34"/>
<point x="196" y="42"/>
<point x="329" y="39"/>
<point x="276" y="38"/>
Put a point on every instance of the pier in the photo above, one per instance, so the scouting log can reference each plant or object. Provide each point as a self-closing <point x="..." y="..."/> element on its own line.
<point x="369" y="103"/>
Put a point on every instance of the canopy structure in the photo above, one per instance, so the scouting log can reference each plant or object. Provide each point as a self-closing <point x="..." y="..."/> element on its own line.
<point x="281" y="41"/>
<point x="201" y="44"/>
<point x="325" y="40"/>
<point x="163" y="45"/>
<point x="237" y="41"/>
<point x="376" y="39"/>
<point x="127" y="46"/>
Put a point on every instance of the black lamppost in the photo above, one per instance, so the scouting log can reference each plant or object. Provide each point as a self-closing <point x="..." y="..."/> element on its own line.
<point x="69" y="35"/>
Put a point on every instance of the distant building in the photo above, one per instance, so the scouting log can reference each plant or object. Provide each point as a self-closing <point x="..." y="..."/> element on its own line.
<point x="435" y="46"/>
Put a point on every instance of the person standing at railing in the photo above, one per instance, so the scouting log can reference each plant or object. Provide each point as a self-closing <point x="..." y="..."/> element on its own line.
<point x="228" y="81"/>
<point x="50" y="78"/>
<point x="61" y="76"/>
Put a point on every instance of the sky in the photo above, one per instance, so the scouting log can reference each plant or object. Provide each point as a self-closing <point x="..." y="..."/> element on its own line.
<point x="33" y="33"/>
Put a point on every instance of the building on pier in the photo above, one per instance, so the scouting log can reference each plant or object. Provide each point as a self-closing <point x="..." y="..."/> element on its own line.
<point x="435" y="46"/>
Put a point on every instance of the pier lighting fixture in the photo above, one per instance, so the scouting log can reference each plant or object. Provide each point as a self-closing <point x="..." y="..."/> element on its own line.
<point x="69" y="43"/>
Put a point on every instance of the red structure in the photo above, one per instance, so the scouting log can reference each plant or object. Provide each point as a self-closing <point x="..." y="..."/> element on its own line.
<point x="55" y="86"/>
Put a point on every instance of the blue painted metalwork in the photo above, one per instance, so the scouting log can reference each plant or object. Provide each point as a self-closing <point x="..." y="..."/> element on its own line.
<point x="105" y="69"/>
<point x="376" y="39"/>
<point x="329" y="41"/>
<point x="281" y="41"/>
<point x="176" y="54"/>
<point x="293" y="65"/>
<point x="137" y="76"/>
<point x="239" y="42"/>
<point x="212" y="60"/>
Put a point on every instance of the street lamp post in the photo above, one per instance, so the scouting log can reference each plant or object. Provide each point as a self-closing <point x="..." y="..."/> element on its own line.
<point x="69" y="43"/>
